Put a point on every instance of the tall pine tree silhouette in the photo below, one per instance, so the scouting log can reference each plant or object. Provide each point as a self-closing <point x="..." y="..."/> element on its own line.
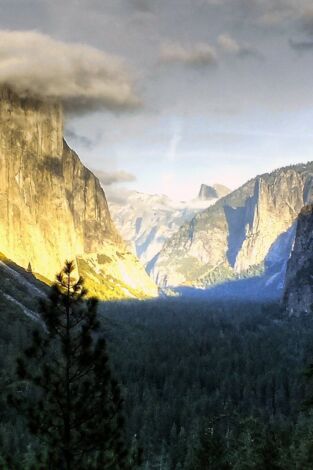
<point x="74" y="408"/>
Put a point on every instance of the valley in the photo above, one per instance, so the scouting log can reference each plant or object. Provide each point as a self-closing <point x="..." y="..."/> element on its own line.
<point x="222" y="242"/>
<point x="156" y="235"/>
<point x="147" y="221"/>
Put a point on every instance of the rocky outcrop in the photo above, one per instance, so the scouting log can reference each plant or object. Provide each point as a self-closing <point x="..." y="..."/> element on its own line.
<point x="298" y="296"/>
<point x="235" y="236"/>
<point x="221" y="190"/>
<point x="53" y="208"/>
<point x="212" y="192"/>
<point x="207" y="192"/>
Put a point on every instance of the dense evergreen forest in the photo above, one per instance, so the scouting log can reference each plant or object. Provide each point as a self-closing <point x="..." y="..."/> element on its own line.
<point x="206" y="385"/>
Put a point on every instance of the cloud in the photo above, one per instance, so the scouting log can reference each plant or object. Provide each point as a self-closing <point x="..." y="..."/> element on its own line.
<point x="81" y="77"/>
<point x="214" y="2"/>
<point x="307" y="20"/>
<point x="274" y="18"/>
<point x="198" y="55"/>
<point x="81" y="140"/>
<point x="301" y="46"/>
<point x="305" y="25"/>
<point x="203" y="55"/>
<point x="110" y="178"/>
<point x="142" y="5"/>
<point x="230" y="46"/>
<point x="173" y="147"/>
<point x="119" y="195"/>
<point x="175" y="140"/>
<point x="278" y="13"/>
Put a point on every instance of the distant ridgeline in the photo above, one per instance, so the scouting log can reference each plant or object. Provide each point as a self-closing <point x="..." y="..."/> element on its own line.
<point x="53" y="208"/>
<point x="146" y="221"/>
<point x="248" y="233"/>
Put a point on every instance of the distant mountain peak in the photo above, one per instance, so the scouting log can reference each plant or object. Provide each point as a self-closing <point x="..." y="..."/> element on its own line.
<point x="146" y="221"/>
<point x="212" y="192"/>
<point x="246" y="233"/>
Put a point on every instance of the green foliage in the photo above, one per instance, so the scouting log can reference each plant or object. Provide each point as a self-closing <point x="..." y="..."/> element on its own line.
<point x="66" y="392"/>
<point x="105" y="286"/>
<point x="188" y="368"/>
<point x="240" y="365"/>
<point x="211" y="452"/>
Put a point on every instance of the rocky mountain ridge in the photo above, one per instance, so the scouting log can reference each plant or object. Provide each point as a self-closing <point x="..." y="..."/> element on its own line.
<point x="243" y="234"/>
<point x="146" y="221"/>
<point x="298" y="295"/>
<point x="53" y="208"/>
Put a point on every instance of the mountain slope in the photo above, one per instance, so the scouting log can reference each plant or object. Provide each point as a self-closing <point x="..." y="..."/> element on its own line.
<point x="20" y="289"/>
<point x="146" y="221"/>
<point x="53" y="208"/>
<point x="240" y="234"/>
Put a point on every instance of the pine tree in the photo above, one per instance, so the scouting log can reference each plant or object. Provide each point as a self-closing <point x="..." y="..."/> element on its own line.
<point x="210" y="453"/>
<point x="74" y="407"/>
<point x="270" y="452"/>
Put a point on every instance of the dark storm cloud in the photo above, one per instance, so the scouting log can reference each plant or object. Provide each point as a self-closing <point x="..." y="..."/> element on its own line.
<point x="206" y="74"/>
<point x="183" y="35"/>
<point x="80" y="76"/>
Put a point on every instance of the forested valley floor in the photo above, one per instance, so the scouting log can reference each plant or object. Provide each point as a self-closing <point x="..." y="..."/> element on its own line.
<point x="206" y="385"/>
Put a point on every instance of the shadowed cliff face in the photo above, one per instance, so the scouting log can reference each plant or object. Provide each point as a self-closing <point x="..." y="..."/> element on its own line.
<point x="212" y="192"/>
<point x="235" y="236"/>
<point x="52" y="208"/>
<point x="298" y="296"/>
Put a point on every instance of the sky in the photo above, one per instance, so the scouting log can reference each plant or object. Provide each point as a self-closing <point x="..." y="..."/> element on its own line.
<point x="163" y="95"/>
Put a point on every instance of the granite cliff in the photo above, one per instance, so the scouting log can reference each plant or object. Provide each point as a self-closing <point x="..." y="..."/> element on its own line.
<point x="146" y="221"/>
<point x="242" y="235"/>
<point x="53" y="208"/>
<point x="298" y="295"/>
<point x="212" y="192"/>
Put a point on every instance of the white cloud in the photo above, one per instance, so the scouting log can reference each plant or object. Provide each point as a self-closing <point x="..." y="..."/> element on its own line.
<point x="197" y="55"/>
<point x="228" y="44"/>
<point x="307" y="20"/>
<point x="174" y="143"/>
<point x="109" y="178"/>
<point x="82" y="77"/>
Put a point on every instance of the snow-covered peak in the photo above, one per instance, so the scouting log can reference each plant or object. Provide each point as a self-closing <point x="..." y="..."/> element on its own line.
<point x="146" y="221"/>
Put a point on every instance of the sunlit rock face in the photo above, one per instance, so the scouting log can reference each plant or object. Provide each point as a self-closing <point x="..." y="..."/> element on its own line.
<point x="298" y="296"/>
<point x="270" y="212"/>
<point x="235" y="236"/>
<point x="53" y="208"/>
